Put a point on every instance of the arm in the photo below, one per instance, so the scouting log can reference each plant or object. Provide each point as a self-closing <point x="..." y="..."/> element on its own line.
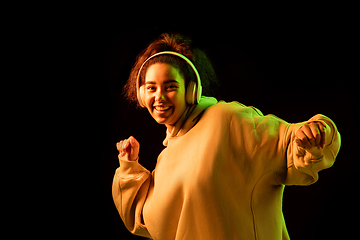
<point x="312" y="147"/>
<point x="295" y="153"/>
<point x="130" y="186"/>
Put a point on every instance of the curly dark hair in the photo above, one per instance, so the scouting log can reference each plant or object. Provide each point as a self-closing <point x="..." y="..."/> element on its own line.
<point x="177" y="43"/>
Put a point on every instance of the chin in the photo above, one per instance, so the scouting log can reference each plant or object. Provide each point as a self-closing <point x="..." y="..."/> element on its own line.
<point x="162" y="121"/>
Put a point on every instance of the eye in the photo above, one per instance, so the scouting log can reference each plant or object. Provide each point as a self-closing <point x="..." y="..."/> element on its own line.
<point x="172" y="87"/>
<point x="151" y="88"/>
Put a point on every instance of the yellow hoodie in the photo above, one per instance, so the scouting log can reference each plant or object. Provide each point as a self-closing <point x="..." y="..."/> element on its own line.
<point x="221" y="176"/>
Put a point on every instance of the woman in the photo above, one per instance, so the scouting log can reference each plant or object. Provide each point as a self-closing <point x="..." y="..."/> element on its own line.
<point x="225" y="165"/>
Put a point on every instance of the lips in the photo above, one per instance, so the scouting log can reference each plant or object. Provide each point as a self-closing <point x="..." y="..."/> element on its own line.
<point x="162" y="108"/>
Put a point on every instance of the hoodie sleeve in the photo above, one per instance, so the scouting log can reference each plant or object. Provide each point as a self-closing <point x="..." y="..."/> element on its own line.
<point x="270" y="142"/>
<point x="302" y="166"/>
<point x="129" y="190"/>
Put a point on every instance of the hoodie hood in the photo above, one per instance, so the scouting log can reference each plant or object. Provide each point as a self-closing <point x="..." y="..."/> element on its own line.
<point x="189" y="118"/>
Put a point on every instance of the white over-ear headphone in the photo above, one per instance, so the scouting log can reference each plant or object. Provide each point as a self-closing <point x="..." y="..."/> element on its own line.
<point x="193" y="90"/>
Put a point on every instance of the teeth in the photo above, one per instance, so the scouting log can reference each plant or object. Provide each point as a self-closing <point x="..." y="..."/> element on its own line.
<point x="161" y="108"/>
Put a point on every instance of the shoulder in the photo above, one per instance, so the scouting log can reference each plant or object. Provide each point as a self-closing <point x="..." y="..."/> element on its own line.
<point x="223" y="113"/>
<point x="233" y="108"/>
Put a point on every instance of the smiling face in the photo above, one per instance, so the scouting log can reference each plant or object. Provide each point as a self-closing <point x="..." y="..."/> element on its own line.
<point x="165" y="94"/>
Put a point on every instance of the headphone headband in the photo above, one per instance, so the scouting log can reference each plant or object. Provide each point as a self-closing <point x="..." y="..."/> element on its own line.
<point x="198" y="81"/>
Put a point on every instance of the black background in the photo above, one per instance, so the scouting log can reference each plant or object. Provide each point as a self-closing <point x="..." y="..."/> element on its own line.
<point x="293" y="68"/>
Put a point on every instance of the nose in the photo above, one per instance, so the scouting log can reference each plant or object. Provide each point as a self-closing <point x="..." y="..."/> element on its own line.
<point x="160" y="96"/>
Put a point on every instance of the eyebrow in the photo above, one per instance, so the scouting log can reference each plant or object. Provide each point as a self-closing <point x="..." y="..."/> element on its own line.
<point x="167" y="81"/>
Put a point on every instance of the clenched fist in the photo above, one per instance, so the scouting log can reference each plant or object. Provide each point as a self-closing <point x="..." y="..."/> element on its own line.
<point x="128" y="149"/>
<point x="311" y="136"/>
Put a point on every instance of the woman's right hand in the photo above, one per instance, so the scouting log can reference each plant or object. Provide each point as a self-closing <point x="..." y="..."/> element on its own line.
<point x="128" y="149"/>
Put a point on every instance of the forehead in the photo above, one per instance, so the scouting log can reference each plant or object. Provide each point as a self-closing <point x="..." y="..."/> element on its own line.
<point x="160" y="72"/>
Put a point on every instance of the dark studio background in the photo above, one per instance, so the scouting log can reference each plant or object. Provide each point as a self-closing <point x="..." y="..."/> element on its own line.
<point x="292" y="69"/>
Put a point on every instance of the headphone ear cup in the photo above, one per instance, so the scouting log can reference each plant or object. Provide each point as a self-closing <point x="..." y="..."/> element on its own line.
<point x="191" y="93"/>
<point x="141" y="96"/>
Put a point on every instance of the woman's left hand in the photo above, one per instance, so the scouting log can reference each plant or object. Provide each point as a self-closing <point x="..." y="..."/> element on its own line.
<point x="311" y="135"/>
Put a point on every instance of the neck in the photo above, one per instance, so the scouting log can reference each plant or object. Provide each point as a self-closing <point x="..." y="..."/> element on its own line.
<point x="169" y="127"/>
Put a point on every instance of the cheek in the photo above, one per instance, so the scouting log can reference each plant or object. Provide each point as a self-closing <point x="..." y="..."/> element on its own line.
<point x="177" y="97"/>
<point x="179" y="100"/>
<point x="149" y="99"/>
